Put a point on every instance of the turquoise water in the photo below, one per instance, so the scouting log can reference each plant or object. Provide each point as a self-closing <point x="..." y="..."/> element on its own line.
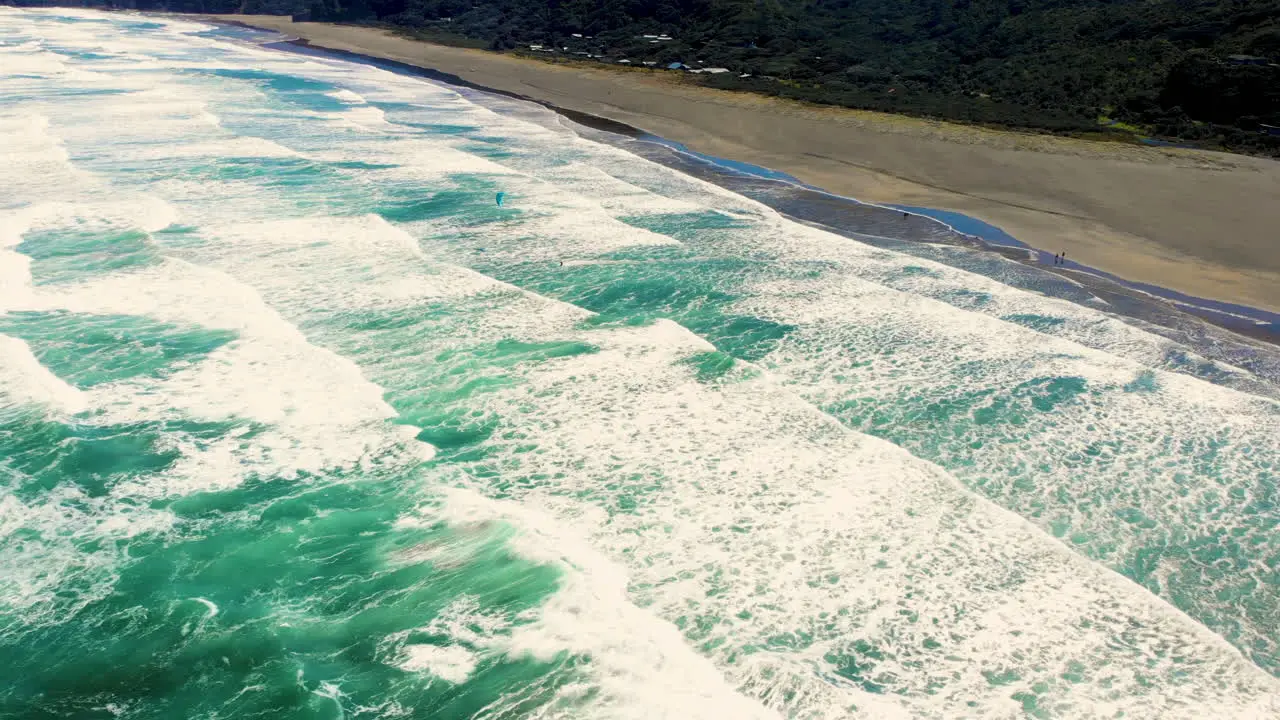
<point x="298" y="422"/>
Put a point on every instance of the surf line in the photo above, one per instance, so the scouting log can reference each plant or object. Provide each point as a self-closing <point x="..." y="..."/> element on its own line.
<point x="1260" y="324"/>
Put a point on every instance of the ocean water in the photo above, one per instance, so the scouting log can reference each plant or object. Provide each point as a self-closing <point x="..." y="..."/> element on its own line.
<point x="296" y="421"/>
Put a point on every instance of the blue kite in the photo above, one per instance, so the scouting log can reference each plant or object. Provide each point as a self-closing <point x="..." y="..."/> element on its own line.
<point x="500" y="196"/>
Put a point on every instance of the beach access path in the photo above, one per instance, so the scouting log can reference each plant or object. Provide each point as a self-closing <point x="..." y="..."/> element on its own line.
<point x="1202" y="223"/>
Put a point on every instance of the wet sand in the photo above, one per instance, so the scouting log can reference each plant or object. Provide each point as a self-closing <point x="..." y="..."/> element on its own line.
<point x="1202" y="223"/>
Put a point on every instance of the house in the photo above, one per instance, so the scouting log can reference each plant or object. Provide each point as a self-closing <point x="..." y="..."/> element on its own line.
<point x="624" y="61"/>
<point x="715" y="71"/>
<point x="1269" y="129"/>
<point x="577" y="35"/>
<point x="649" y="63"/>
<point x="1246" y="60"/>
<point x="676" y="66"/>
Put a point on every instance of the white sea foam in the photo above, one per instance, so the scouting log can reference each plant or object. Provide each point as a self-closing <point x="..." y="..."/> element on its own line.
<point x="43" y="176"/>
<point x="33" y="60"/>
<point x="618" y="197"/>
<point x="38" y="164"/>
<point x="365" y="117"/>
<point x="347" y="96"/>
<point x="62" y="551"/>
<point x="778" y="529"/>
<point x="212" y="606"/>
<point x="230" y="148"/>
<point x="450" y="663"/>
<point x="323" y="412"/>
<point x="15" y="279"/>
<point x="863" y="329"/>
<point x="334" y="250"/>
<point x="142" y="212"/>
<point x="725" y="549"/>
<point x="648" y="189"/>
<point x="798" y="243"/>
<point x="352" y="264"/>
<point x="645" y="670"/>
<point x="24" y="380"/>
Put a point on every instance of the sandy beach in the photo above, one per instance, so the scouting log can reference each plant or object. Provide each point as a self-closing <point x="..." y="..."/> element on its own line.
<point x="1202" y="223"/>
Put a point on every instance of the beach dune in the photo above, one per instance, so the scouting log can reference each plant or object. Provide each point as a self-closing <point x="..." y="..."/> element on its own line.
<point x="1203" y="223"/>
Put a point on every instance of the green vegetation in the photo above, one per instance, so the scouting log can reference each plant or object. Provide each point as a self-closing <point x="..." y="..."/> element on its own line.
<point x="1159" y="67"/>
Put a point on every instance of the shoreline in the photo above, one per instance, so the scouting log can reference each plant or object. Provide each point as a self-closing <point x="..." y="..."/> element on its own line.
<point x="1259" y="321"/>
<point x="1245" y="318"/>
<point x="1200" y="223"/>
<point x="1141" y="298"/>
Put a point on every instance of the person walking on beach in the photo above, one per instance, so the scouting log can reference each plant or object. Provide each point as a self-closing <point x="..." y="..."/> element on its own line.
<point x="1055" y="258"/>
<point x="1062" y="259"/>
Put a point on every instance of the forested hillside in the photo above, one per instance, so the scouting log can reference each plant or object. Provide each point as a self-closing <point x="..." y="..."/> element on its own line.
<point x="1197" y="70"/>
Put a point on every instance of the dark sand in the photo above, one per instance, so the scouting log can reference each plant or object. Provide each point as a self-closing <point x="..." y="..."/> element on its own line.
<point x="1202" y="223"/>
